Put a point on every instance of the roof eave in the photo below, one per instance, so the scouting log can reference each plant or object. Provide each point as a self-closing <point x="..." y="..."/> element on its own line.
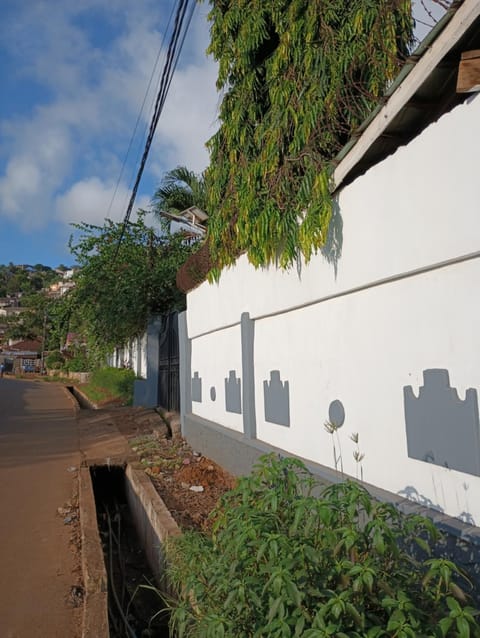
<point x="417" y="68"/>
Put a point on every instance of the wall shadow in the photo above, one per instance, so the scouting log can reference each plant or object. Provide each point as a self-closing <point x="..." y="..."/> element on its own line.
<point x="332" y="250"/>
<point x="442" y="428"/>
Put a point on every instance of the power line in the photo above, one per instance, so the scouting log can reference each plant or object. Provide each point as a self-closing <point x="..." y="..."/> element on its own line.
<point x="173" y="53"/>
<point x="130" y="144"/>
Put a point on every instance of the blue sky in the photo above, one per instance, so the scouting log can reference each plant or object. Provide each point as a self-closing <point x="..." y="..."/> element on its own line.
<point x="74" y="76"/>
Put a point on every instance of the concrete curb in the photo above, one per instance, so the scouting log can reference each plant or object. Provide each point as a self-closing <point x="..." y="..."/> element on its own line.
<point x="153" y="520"/>
<point x="95" y="605"/>
<point x="154" y="524"/>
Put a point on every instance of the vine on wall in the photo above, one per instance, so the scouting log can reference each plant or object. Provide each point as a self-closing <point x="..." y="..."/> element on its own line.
<point x="298" y="77"/>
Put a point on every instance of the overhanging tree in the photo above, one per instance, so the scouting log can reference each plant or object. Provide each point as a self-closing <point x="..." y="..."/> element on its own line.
<point x="299" y="76"/>
<point x="119" y="286"/>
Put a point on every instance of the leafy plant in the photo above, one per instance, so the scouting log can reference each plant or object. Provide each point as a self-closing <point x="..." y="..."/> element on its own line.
<point x="357" y="455"/>
<point x="298" y="78"/>
<point x="78" y="361"/>
<point x="332" y="429"/>
<point x="111" y="383"/>
<point x="179" y="189"/>
<point x="283" y="562"/>
<point x="125" y="276"/>
<point x="54" y="360"/>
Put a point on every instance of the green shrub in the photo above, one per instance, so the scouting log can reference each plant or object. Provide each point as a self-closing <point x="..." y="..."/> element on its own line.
<point x="78" y="363"/>
<point x="54" y="360"/>
<point x="282" y="562"/>
<point x="116" y="382"/>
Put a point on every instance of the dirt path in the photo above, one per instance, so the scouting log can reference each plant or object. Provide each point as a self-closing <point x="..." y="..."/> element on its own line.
<point x="38" y="561"/>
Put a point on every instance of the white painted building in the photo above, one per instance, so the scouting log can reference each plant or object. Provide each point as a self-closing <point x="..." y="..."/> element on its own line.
<point x="379" y="332"/>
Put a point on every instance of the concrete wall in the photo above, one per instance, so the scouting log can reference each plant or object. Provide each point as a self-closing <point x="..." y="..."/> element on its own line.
<point x="153" y="521"/>
<point x="145" y="392"/>
<point x="133" y="354"/>
<point x="377" y="333"/>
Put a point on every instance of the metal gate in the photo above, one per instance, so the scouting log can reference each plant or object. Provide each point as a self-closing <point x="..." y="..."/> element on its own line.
<point x="169" y="364"/>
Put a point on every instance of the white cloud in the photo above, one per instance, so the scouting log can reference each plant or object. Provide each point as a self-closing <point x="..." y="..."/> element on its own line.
<point x="21" y="181"/>
<point x="92" y="200"/>
<point x="189" y="117"/>
<point x="60" y="157"/>
<point x="39" y="161"/>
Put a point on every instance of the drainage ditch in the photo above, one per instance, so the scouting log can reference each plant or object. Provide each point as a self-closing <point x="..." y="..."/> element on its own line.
<point x="81" y="399"/>
<point x="134" y="605"/>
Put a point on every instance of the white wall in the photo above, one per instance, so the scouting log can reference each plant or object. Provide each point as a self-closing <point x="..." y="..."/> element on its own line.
<point x="417" y="208"/>
<point x="402" y="299"/>
<point x="213" y="356"/>
<point x="135" y="353"/>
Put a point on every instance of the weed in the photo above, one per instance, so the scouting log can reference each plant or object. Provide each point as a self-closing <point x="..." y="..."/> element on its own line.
<point x="281" y="562"/>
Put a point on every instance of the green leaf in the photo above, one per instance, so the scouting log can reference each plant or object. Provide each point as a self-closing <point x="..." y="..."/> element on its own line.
<point x="453" y="605"/>
<point x="378" y="542"/>
<point x="445" y="624"/>
<point x="275" y="607"/>
<point x="299" y="626"/>
<point x="463" y="627"/>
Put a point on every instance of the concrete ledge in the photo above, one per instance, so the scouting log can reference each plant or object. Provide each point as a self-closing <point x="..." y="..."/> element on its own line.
<point x="154" y="525"/>
<point x="82" y="399"/>
<point x="95" y="606"/>
<point x="153" y="521"/>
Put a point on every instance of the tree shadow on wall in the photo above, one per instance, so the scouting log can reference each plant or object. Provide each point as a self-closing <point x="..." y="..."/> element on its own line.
<point x="332" y="249"/>
<point x="413" y="495"/>
<point x="451" y="545"/>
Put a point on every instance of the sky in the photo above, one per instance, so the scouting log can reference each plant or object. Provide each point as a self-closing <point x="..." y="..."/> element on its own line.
<point x="74" y="76"/>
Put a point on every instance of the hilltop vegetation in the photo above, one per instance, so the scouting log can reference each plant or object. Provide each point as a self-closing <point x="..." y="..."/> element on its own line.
<point x="20" y="280"/>
<point x="24" y="294"/>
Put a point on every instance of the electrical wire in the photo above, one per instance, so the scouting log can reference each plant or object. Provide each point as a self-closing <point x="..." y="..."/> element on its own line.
<point x="147" y="91"/>
<point x="173" y="54"/>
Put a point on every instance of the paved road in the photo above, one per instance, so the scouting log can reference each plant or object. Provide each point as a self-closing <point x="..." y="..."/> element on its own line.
<point x="38" y="445"/>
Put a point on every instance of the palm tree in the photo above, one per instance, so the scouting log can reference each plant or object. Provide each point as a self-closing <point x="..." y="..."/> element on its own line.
<point x="179" y="189"/>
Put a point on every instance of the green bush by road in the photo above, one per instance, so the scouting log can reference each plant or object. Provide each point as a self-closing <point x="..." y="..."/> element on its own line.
<point x="108" y="384"/>
<point x="285" y="561"/>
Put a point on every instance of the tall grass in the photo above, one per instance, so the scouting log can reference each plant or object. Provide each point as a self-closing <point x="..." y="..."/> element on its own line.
<point x="111" y="383"/>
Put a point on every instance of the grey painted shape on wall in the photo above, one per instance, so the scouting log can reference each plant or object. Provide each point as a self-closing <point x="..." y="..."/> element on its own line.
<point x="442" y="428"/>
<point x="336" y="413"/>
<point x="233" y="393"/>
<point x="196" y="388"/>
<point x="276" y="397"/>
<point x="213" y="393"/>
<point x="247" y="327"/>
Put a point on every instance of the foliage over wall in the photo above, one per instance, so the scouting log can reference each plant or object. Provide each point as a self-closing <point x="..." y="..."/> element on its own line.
<point x="118" y="287"/>
<point x="298" y="76"/>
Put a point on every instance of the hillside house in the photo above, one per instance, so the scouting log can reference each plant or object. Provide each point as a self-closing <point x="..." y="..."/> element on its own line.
<point x="22" y="356"/>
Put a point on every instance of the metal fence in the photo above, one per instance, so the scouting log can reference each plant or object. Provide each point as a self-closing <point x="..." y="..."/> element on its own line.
<point x="169" y="364"/>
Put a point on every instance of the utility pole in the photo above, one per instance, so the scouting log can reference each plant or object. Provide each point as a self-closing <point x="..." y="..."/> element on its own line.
<point x="42" y="361"/>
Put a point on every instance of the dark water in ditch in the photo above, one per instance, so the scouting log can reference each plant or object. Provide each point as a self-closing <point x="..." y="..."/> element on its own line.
<point x="134" y="606"/>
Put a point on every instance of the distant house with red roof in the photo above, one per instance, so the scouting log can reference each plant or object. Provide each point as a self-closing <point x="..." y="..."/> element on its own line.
<point x="23" y="356"/>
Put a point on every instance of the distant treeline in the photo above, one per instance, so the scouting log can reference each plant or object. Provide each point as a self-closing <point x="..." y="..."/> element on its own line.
<point x="27" y="279"/>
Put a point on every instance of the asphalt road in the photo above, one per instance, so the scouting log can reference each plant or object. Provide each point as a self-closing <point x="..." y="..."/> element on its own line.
<point x="38" y="564"/>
